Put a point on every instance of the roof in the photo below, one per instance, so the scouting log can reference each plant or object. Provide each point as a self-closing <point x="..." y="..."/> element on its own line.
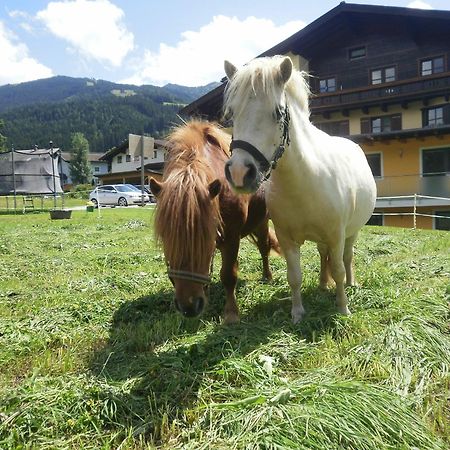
<point x="92" y="157"/>
<point x="318" y="34"/>
<point x="123" y="147"/>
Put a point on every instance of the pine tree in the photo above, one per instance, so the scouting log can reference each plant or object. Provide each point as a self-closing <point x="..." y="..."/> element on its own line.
<point x="80" y="169"/>
<point x="3" y="147"/>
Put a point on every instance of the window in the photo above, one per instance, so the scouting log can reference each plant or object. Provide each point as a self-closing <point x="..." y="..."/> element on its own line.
<point x="384" y="75"/>
<point x="432" y="65"/>
<point x="374" y="160"/>
<point x="96" y="169"/>
<point x="436" y="162"/>
<point x="155" y="154"/>
<point x="381" y="124"/>
<point x="356" y="53"/>
<point x="127" y="158"/>
<point x="119" y="159"/>
<point x="327" y="85"/>
<point x="436" y="116"/>
<point x="336" y="128"/>
<point x="442" y="223"/>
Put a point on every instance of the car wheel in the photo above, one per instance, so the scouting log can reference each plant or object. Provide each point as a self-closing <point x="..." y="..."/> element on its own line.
<point x="122" y="201"/>
<point x="95" y="202"/>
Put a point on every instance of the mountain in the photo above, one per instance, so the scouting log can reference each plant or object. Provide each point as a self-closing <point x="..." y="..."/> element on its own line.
<point x="53" y="108"/>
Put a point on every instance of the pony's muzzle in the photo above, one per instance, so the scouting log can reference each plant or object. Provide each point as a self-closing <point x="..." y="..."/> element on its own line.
<point x="242" y="177"/>
<point x="193" y="308"/>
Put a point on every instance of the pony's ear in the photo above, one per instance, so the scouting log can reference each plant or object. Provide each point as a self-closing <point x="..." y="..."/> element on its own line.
<point x="230" y="69"/>
<point x="155" y="187"/>
<point x="286" y="69"/>
<point x="214" y="188"/>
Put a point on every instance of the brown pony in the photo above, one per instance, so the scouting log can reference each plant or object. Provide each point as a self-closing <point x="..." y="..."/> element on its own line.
<point x="197" y="212"/>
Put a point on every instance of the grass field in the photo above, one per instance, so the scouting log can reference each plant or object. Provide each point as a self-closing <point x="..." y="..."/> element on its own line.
<point x="94" y="356"/>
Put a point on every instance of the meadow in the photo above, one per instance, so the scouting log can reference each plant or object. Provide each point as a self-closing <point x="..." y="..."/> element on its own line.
<point x="94" y="356"/>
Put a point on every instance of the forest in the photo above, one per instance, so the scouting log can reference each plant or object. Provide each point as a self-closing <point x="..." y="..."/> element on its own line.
<point x="35" y="113"/>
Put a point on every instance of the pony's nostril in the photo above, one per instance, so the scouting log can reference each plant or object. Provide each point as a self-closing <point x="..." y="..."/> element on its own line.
<point x="227" y="171"/>
<point x="199" y="303"/>
<point x="251" y="172"/>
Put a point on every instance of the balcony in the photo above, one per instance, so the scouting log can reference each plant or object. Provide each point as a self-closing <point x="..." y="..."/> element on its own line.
<point x="437" y="187"/>
<point x="400" y="91"/>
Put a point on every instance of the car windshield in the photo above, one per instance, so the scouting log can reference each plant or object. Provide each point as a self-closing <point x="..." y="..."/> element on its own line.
<point x="124" y="188"/>
<point x="134" y="188"/>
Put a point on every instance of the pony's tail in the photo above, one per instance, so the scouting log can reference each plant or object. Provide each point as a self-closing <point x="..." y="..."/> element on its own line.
<point x="273" y="242"/>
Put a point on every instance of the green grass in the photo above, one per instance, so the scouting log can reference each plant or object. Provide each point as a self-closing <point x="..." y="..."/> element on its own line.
<point x="94" y="356"/>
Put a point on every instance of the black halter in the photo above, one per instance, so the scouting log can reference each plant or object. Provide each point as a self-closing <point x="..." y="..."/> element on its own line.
<point x="266" y="166"/>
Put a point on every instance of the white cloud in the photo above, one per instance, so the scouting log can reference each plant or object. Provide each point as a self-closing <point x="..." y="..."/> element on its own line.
<point x="17" y="65"/>
<point x="198" y="58"/>
<point x="93" y="28"/>
<point x="419" y="4"/>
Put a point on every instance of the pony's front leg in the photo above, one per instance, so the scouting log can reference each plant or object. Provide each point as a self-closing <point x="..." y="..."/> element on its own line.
<point x="228" y="276"/>
<point x="291" y="252"/>
<point x="338" y="274"/>
<point x="262" y="235"/>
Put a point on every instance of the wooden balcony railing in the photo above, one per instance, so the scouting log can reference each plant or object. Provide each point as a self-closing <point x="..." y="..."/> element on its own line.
<point x="386" y="93"/>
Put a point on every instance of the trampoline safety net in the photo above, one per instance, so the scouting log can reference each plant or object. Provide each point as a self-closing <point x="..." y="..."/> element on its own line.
<point x="30" y="172"/>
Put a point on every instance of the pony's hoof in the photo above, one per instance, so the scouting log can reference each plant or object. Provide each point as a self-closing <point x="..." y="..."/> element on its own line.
<point x="297" y="315"/>
<point x="344" y="310"/>
<point x="231" y="318"/>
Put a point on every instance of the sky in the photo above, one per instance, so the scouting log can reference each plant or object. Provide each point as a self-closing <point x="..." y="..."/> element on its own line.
<point x="148" y="41"/>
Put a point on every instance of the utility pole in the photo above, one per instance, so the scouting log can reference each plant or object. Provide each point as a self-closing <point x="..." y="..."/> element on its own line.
<point x="53" y="173"/>
<point x="14" y="177"/>
<point x="142" y="170"/>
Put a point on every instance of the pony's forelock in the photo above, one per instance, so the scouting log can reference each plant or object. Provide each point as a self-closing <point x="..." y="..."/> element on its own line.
<point x="262" y="77"/>
<point x="186" y="218"/>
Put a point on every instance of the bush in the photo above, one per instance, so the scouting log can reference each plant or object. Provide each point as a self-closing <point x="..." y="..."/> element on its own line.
<point x="80" y="191"/>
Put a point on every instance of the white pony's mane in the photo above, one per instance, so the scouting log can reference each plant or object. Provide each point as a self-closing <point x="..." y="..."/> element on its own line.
<point x="262" y="76"/>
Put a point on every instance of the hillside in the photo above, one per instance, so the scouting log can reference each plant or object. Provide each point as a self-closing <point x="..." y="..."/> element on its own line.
<point x="51" y="109"/>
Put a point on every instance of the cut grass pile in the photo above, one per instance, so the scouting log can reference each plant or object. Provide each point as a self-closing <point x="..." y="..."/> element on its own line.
<point x="93" y="354"/>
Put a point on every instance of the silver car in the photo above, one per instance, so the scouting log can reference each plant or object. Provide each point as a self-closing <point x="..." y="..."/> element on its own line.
<point x="117" y="195"/>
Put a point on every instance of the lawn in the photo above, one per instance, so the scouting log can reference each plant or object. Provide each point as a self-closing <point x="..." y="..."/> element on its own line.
<point x="94" y="356"/>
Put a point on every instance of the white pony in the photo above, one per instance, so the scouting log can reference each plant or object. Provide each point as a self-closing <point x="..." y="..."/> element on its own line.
<point x="321" y="187"/>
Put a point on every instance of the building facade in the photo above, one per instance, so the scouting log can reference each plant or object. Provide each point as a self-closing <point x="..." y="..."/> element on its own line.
<point x="381" y="77"/>
<point x="98" y="168"/>
<point x="124" y="161"/>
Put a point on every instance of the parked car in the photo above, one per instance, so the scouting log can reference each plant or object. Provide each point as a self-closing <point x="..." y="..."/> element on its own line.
<point x="117" y="194"/>
<point x="147" y="191"/>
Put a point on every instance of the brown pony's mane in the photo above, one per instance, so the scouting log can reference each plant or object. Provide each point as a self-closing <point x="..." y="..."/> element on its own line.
<point x="186" y="219"/>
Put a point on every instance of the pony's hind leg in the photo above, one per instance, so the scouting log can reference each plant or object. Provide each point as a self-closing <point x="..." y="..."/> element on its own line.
<point x="338" y="274"/>
<point x="325" y="275"/>
<point x="228" y="276"/>
<point x="348" y="260"/>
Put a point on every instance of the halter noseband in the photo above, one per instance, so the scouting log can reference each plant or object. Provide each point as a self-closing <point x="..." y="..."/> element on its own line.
<point x="190" y="276"/>
<point x="266" y="165"/>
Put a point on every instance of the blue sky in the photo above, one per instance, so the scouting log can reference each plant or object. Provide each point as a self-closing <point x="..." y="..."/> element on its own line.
<point x="149" y="41"/>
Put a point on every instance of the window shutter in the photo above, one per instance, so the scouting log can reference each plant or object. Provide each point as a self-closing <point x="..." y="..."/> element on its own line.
<point x="365" y="126"/>
<point x="447" y="114"/>
<point x="396" y="122"/>
<point x="424" y="117"/>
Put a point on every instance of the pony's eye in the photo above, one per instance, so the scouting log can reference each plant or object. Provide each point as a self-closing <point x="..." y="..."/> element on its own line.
<point x="228" y="115"/>
<point x="277" y="113"/>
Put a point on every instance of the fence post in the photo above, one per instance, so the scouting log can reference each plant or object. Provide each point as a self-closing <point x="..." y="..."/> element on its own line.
<point x="415" y="211"/>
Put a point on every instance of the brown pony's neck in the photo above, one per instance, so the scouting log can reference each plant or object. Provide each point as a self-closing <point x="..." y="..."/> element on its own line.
<point x="187" y="220"/>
